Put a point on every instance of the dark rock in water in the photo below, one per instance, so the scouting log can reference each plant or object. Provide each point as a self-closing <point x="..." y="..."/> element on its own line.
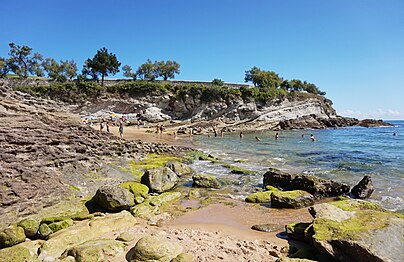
<point x="276" y="178"/>
<point x="319" y="188"/>
<point x="267" y="227"/>
<point x="363" y="189"/>
<point x="159" y="180"/>
<point x="113" y="198"/>
<point x="207" y="181"/>
<point x="373" y="123"/>
<point x="291" y="199"/>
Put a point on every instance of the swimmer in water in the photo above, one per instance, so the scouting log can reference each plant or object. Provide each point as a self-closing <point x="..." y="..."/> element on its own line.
<point x="241" y="135"/>
<point x="312" y="138"/>
<point x="257" y="138"/>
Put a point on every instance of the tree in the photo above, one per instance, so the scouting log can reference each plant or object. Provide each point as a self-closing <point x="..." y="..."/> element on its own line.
<point x="251" y="75"/>
<point x="68" y="68"/>
<point x="103" y="63"/>
<point x="167" y="69"/>
<point x="3" y="67"/>
<point x="265" y="79"/>
<point x="22" y="63"/>
<point x="217" y="82"/>
<point x="147" y="71"/>
<point x="127" y="72"/>
<point x="52" y="68"/>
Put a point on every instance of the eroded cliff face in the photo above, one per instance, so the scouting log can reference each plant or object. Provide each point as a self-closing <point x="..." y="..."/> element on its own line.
<point x="286" y="113"/>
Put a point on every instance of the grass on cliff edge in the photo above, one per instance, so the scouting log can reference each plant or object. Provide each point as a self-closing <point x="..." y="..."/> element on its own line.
<point x="137" y="168"/>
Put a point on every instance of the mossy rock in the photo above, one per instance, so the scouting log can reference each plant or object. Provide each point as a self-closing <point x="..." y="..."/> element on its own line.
<point x="297" y="231"/>
<point x="151" y="161"/>
<point x="291" y="199"/>
<point x="159" y="180"/>
<point x="126" y="237"/>
<point x="56" y="226"/>
<point x="44" y="231"/>
<point x="179" y="168"/>
<point x="259" y="197"/>
<point x="26" y="251"/>
<point x="183" y="257"/>
<point x="96" y="250"/>
<point x="267" y="227"/>
<point x="30" y="226"/>
<point x="137" y="189"/>
<point x="237" y="170"/>
<point x="11" y="236"/>
<point x="153" y="248"/>
<point x="206" y="181"/>
<point x="152" y="204"/>
<point x="113" y="198"/>
<point x="367" y="231"/>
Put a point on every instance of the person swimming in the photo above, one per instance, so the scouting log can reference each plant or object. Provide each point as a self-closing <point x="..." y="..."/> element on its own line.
<point x="276" y="136"/>
<point x="241" y="135"/>
<point x="257" y="138"/>
<point x="312" y="138"/>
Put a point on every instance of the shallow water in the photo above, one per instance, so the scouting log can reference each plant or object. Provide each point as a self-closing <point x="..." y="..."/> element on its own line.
<point x="343" y="154"/>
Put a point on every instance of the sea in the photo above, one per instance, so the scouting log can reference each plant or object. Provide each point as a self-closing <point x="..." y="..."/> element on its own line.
<point x="341" y="154"/>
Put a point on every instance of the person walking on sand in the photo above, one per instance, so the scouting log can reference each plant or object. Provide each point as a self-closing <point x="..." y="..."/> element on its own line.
<point x="107" y="126"/>
<point x="121" y="129"/>
<point x="101" y="125"/>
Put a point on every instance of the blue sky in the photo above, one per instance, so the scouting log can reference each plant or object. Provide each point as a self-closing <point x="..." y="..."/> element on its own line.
<point x="353" y="50"/>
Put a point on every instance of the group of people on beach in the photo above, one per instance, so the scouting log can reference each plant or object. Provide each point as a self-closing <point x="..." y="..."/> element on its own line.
<point x="105" y="124"/>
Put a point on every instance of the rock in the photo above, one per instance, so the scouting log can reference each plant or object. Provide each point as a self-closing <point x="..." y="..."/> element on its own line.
<point x="157" y="249"/>
<point x="44" y="231"/>
<point x="126" y="237"/>
<point x="26" y="251"/>
<point x="370" y="234"/>
<point x="30" y="226"/>
<point x="319" y="188"/>
<point x="259" y="197"/>
<point x="291" y="199"/>
<point x="137" y="189"/>
<point x="183" y="257"/>
<point x="363" y="189"/>
<point x="159" y="180"/>
<point x="56" y="226"/>
<point x="85" y="231"/>
<point x="154" y="115"/>
<point x="207" y="181"/>
<point x="96" y="250"/>
<point x="298" y="231"/>
<point x="373" y="123"/>
<point x="113" y="198"/>
<point x="330" y="212"/>
<point x="151" y="205"/>
<point x="11" y="236"/>
<point x="267" y="228"/>
<point x="180" y="169"/>
<point x="276" y="178"/>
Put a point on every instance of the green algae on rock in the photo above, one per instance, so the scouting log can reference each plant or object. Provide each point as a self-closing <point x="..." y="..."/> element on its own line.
<point x="113" y="198"/>
<point x="259" y="197"/>
<point x="137" y="189"/>
<point x="291" y="199"/>
<point x="206" y="181"/>
<point x="30" y="226"/>
<point x="152" y="204"/>
<point x="44" y="231"/>
<point x="159" y="180"/>
<point x="56" y="226"/>
<point x="11" y="236"/>
<point x="26" y="251"/>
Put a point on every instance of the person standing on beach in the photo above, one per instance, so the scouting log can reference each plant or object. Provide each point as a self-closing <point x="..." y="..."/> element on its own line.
<point x="107" y="126"/>
<point x="101" y="125"/>
<point x="121" y="129"/>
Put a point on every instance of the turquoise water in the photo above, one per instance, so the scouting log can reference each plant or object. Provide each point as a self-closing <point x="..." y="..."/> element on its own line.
<point x="343" y="154"/>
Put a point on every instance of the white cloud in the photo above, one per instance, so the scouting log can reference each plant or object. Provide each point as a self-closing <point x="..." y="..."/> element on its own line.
<point x="387" y="114"/>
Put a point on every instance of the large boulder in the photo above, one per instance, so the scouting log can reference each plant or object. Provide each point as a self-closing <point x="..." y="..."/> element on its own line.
<point x="179" y="168"/>
<point x="364" y="231"/>
<point x="261" y="197"/>
<point x="206" y="181"/>
<point x="113" y="198"/>
<point x="291" y="199"/>
<point x="30" y="226"/>
<point x="363" y="189"/>
<point x="156" y="249"/>
<point x="150" y="206"/>
<point x="276" y="178"/>
<point x="11" y="236"/>
<point x="154" y="115"/>
<point x="96" y="250"/>
<point x="159" y="180"/>
<point x="44" y="231"/>
<point x="319" y="188"/>
<point x="59" y="225"/>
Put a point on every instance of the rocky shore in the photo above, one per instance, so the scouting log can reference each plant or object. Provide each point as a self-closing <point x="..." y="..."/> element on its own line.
<point x="72" y="193"/>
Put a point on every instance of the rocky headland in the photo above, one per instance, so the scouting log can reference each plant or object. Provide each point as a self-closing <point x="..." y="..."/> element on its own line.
<point x="72" y="193"/>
